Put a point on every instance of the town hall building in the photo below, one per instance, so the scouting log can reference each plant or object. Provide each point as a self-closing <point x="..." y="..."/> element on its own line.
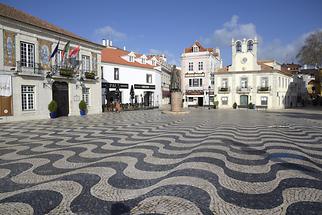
<point x="249" y="80"/>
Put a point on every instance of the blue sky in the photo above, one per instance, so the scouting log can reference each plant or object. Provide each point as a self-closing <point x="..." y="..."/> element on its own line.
<point x="169" y="26"/>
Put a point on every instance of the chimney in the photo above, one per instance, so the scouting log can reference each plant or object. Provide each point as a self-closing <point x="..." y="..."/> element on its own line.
<point x="103" y="42"/>
<point x="107" y="43"/>
<point x="111" y="44"/>
<point x="124" y="48"/>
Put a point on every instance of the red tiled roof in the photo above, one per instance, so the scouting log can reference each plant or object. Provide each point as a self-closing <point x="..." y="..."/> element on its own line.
<point x="264" y="66"/>
<point x="201" y="48"/>
<point x="18" y="15"/>
<point x="111" y="55"/>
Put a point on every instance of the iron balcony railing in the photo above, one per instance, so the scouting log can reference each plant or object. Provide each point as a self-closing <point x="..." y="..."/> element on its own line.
<point x="223" y="89"/>
<point x="243" y="89"/>
<point x="264" y="89"/>
<point x="30" y="68"/>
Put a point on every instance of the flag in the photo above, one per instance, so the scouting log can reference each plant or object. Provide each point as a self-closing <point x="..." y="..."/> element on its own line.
<point x="73" y="53"/>
<point x="55" y="51"/>
<point x="66" y="49"/>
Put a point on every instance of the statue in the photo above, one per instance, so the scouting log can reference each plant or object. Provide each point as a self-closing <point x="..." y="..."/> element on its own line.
<point x="176" y="95"/>
<point x="175" y="80"/>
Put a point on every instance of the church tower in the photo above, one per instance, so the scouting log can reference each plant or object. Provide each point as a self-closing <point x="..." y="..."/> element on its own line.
<point x="244" y="55"/>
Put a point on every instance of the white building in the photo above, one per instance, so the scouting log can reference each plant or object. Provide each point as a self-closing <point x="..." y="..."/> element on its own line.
<point x="165" y="70"/>
<point x="125" y="69"/>
<point x="247" y="80"/>
<point x="31" y="79"/>
<point x="198" y="66"/>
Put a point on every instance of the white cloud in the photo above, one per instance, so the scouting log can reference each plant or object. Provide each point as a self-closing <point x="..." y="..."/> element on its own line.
<point x="231" y="29"/>
<point x="275" y="49"/>
<point x="107" y="32"/>
<point x="282" y="52"/>
<point x="171" y="58"/>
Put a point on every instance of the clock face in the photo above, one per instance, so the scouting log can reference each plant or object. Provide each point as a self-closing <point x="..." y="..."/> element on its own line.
<point x="244" y="60"/>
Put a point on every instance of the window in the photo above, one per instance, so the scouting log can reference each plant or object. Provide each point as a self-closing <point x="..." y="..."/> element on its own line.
<point x="250" y="45"/>
<point x="116" y="74"/>
<point x="86" y="96"/>
<point x="224" y="83"/>
<point x="238" y="46"/>
<point x="27" y="54"/>
<point x="196" y="82"/>
<point x="212" y="78"/>
<point x="85" y="63"/>
<point x="195" y="49"/>
<point x="148" y="78"/>
<point x="190" y="99"/>
<point x="190" y="66"/>
<point x="94" y="63"/>
<point x="143" y="60"/>
<point x="224" y="100"/>
<point x="131" y="58"/>
<point x="153" y="62"/>
<point x="264" y="100"/>
<point x="200" y="66"/>
<point x="28" y="97"/>
<point x="102" y="72"/>
<point x="279" y="81"/>
<point x="244" y="82"/>
<point x="264" y="82"/>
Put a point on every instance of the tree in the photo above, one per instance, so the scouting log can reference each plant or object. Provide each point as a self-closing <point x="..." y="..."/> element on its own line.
<point x="311" y="52"/>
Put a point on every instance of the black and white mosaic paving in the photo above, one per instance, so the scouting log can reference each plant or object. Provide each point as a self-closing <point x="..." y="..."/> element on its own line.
<point x="147" y="162"/>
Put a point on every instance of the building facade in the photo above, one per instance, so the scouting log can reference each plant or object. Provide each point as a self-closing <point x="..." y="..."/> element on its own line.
<point x="198" y="66"/>
<point x="123" y="69"/>
<point x="248" y="80"/>
<point x="165" y="70"/>
<point x="30" y="79"/>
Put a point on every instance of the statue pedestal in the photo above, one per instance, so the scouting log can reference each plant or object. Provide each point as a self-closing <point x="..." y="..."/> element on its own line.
<point x="176" y="101"/>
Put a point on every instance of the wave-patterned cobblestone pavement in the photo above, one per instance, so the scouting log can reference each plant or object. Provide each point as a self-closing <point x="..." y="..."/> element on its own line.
<point x="144" y="162"/>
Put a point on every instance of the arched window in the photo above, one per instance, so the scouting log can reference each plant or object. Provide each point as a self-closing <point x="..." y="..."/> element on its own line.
<point x="250" y="45"/>
<point x="238" y="46"/>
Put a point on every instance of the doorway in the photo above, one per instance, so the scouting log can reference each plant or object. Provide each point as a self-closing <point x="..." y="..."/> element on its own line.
<point x="243" y="100"/>
<point x="148" y="98"/>
<point x="60" y="95"/>
<point x="200" y="101"/>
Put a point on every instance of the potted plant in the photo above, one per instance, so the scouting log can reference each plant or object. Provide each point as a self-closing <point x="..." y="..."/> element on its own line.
<point x="216" y="103"/>
<point x="82" y="107"/>
<point x="90" y="75"/>
<point x="52" y="107"/>
<point x="235" y="105"/>
<point x="67" y="72"/>
<point x="250" y="106"/>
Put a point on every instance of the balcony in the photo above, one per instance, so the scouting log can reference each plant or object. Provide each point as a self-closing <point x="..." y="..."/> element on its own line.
<point x="243" y="90"/>
<point x="263" y="89"/>
<point x="223" y="90"/>
<point x="32" y="69"/>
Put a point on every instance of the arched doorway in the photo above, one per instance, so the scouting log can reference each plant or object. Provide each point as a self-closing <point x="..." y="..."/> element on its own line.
<point x="60" y="95"/>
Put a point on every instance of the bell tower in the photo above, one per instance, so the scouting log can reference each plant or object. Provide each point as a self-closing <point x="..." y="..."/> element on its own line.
<point x="244" y="55"/>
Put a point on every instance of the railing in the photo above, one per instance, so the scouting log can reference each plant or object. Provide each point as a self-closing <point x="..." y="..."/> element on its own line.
<point x="223" y="89"/>
<point x="243" y="89"/>
<point x="29" y="68"/>
<point x="263" y="89"/>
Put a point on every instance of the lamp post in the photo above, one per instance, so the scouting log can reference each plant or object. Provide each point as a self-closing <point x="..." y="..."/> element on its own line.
<point x="209" y="97"/>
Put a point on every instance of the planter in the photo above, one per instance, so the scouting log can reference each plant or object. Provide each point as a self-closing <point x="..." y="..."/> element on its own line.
<point x="89" y="75"/>
<point x="82" y="112"/>
<point x="66" y="72"/>
<point x="53" y="115"/>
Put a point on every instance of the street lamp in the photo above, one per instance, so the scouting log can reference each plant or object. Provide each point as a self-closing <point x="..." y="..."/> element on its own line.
<point x="209" y="97"/>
